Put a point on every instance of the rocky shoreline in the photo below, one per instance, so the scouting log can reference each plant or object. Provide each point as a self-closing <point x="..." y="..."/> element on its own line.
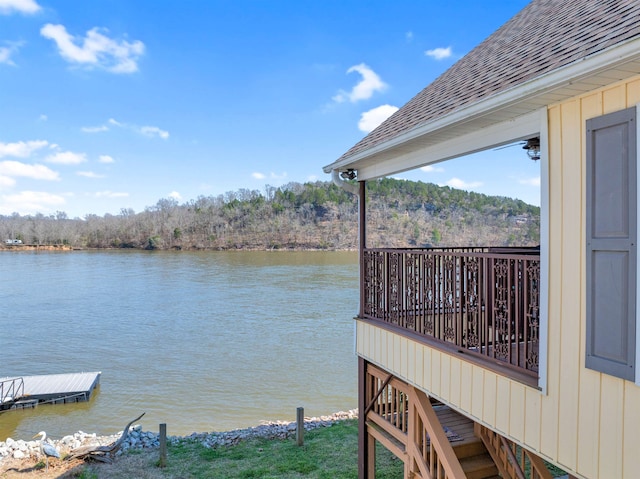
<point x="139" y="439"/>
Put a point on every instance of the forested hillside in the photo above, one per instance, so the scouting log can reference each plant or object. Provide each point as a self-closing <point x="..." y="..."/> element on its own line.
<point x="303" y="216"/>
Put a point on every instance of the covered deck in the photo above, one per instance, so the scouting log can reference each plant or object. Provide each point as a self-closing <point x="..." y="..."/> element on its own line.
<point x="482" y="303"/>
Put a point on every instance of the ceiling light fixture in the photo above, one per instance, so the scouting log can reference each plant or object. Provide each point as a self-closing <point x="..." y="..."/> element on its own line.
<point x="533" y="148"/>
<point x="350" y="174"/>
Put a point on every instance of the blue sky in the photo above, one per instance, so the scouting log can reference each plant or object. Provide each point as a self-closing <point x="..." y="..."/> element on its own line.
<point x="113" y="104"/>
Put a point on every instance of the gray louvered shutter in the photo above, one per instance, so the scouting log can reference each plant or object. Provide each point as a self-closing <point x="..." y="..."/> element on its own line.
<point x="611" y="243"/>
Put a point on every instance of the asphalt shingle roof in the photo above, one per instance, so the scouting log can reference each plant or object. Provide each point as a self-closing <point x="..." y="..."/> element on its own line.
<point x="544" y="36"/>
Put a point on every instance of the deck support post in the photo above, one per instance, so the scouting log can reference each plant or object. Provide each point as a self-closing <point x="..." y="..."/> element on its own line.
<point x="362" y="239"/>
<point x="366" y="444"/>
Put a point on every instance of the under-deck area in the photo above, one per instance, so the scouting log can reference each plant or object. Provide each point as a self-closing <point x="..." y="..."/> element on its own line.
<point x="432" y="439"/>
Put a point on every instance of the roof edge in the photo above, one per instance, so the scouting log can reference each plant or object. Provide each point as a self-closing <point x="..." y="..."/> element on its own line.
<point x="563" y="76"/>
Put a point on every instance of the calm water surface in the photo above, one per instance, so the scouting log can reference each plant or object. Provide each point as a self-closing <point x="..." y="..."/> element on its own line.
<point x="203" y="341"/>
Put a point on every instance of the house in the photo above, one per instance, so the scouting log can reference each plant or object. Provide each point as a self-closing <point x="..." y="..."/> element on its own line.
<point x="538" y="350"/>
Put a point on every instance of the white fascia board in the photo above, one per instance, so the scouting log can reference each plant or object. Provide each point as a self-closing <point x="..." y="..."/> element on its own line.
<point x="564" y="76"/>
<point x="545" y="210"/>
<point x="526" y="126"/>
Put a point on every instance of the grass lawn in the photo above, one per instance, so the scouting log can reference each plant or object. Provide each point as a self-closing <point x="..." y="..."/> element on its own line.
<point x="327" y="453"/>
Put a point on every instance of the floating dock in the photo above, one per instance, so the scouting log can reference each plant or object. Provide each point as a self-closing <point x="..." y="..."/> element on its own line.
<point x="52" y="388"/>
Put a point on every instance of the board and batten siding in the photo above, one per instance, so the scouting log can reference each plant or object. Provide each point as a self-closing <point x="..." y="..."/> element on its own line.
<point x="588" y="422"/>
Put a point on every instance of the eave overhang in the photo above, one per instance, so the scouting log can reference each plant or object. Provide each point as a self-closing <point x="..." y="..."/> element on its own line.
<point x="443" y="138"/>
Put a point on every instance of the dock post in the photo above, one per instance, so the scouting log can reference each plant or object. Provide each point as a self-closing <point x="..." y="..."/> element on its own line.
<point x="163" y="445"/>
<point x="300" y="426"/>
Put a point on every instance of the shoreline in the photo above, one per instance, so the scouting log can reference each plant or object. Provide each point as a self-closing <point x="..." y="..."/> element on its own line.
<point x="19" y="449"/>
<point x="55" y="247"/>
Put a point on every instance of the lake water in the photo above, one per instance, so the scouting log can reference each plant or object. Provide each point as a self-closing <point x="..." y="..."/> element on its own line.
<point x="202" y="341"/>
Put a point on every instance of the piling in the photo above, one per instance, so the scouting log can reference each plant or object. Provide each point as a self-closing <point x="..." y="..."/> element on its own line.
<point x="163" y="445"/>
<point x="300" y="426"/>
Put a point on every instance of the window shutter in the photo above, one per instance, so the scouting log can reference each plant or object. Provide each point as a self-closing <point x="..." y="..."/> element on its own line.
<point x="611" y="243"/>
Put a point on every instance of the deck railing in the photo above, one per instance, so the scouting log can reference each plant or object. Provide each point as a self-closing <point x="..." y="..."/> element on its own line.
<point x="481" y="302"/>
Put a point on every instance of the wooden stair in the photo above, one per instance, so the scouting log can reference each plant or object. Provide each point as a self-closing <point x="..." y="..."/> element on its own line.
<point x="474" y="458"/>
<point x="471" y="452"/>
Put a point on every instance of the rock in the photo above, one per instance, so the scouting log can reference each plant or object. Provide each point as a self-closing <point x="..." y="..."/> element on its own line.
<point x="138" y="439"/>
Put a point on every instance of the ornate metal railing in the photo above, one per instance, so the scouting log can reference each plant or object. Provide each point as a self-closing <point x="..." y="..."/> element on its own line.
<point x="481" y="302"/>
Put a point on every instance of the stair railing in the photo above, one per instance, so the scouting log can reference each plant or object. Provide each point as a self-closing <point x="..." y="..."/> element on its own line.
<point x="430" y="454"/>
<point x="403" y="420"/>
<point x="512" y="461"/>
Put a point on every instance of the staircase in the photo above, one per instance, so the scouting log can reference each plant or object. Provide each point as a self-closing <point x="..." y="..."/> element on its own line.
<point x="474" y="458"/>
<point x="511" y="459"/>
<point x="433" y="440"/>
<point x="476" y="461"/>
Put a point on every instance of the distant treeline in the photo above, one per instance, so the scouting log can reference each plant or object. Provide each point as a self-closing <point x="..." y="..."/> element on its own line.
<point x="316" y="215"/>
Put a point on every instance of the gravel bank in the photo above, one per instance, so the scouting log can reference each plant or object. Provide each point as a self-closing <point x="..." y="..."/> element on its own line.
<point x="139" y="439"/>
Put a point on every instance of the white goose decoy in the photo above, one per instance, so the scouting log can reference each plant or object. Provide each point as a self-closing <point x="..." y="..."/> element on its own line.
<point x="47" y="449"/>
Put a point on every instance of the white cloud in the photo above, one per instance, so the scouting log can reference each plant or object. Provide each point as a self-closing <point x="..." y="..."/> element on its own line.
<point x="106" y="159"/>
<point x="35" y="172"/>
<point x="272" y="176"/>
<point x="154" y="131"/>
<point x="530" y="181"/>
<point x="175" y="195"/>
<point x="363" y="90"/>
<point x="463" y="185"/>
<point x="21" y="149"/>
<point x="409" y="36"/>
<point x="432" y="169"/>
<point x="370" y="120"/>
<point x="20" y="6"/>
<point x="89" y="174"/>
<point x="95" y="49"/>
<point x="67" y="158"/>
<point x="7" y="51"/>
<point x="43" y="117"/>
<point x="110" y="194"/>
<point x="30" y="202"/>
<point x="149" y="131"/>
<point x="6" y="181"/>
<point x="94" y="129"/>
<point x="439" y="53"/>
<point x="5" y="56"/>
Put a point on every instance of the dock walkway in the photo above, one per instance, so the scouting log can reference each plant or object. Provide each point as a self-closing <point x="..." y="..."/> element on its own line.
<point x="55" y="388"/>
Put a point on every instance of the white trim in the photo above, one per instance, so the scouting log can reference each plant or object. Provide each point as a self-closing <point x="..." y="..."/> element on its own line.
<point x="543" y="343"/>
<point x="637" y="364"/>
<point x="523" y="127"/>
